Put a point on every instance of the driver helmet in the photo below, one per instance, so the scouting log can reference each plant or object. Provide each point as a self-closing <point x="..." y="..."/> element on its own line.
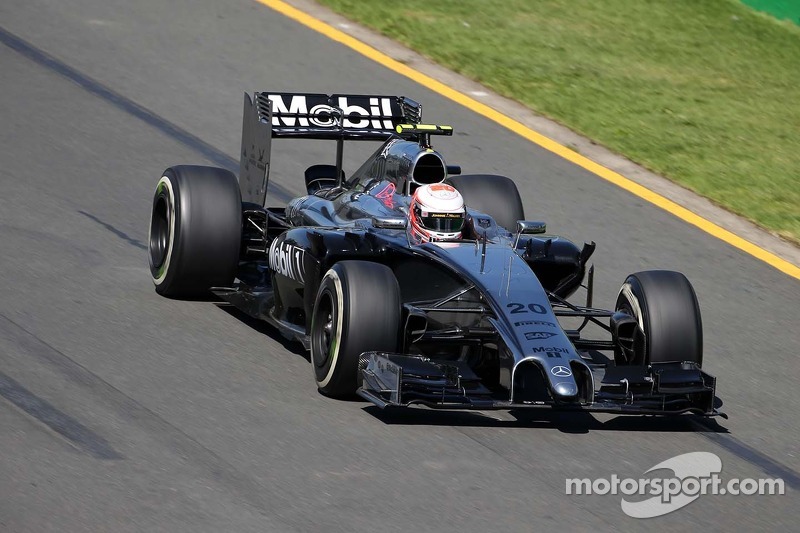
<point x="437" y="212"/>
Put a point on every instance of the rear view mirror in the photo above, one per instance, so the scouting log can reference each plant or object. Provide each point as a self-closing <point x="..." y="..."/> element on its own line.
<point x="530" y="227"/>
<point x="390" y="222"/>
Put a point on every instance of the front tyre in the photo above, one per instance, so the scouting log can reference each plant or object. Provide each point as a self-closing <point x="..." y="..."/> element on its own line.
<point x="195" y="230"/>
<point x="665" y="306"/>
<point x="357" y="310"/>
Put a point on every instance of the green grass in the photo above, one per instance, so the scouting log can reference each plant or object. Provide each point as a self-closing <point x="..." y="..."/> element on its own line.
<point x="781" y="9"/>
<point x="705" y="92"/>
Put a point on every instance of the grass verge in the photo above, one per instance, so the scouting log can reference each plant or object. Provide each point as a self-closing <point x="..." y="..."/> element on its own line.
<point x="704" y="93"/>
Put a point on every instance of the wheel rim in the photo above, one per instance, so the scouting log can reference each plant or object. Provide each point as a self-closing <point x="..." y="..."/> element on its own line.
<point x="159" y="232"/>
<point x="626" y="308"/>
<point x="638" y="349"/>
<point x="322" y="330"/>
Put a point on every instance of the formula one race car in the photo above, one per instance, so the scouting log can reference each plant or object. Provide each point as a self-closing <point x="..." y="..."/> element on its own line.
<point x="466" y="316"/>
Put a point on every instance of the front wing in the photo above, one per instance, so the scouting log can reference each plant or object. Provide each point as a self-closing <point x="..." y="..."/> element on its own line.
<point x="396" y="380"/>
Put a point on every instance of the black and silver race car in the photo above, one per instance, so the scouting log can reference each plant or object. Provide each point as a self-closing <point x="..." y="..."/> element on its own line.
<point x="472" y="323"/>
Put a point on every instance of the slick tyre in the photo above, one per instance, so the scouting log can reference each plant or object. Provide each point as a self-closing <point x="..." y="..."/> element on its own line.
<point x="357" y="310"/>
<point x="496" y="196"/>
<point x="195" y="230"/>
<point x="665" y="306"/>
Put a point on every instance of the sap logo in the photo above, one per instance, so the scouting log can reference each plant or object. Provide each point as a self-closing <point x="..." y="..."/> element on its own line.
<point x="288" y="260"/>
<point x="323" y="115"/>
<point x="535" y="335"/>
<point x="553" y="349"/>
<point x="534" y="323"/>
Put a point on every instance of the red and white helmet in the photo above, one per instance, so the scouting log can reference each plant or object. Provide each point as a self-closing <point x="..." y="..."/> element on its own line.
<point x="437" y="212"/>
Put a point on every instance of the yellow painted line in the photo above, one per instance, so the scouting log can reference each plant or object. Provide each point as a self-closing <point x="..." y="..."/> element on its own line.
<point x="537" y="138"/>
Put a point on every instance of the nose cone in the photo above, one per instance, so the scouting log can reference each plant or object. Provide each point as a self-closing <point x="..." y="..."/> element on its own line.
<point x="566" y="390"/>
<point x="562" y="381"/>
<point x="535" y="381"/>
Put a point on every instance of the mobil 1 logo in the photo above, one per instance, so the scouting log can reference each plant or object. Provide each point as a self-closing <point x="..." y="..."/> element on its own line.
<point x="288" y="260"/>
<point x="321" y="111"/>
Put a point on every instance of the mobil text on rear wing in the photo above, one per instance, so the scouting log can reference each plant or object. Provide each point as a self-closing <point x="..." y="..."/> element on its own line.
<point x="322" y="116"/>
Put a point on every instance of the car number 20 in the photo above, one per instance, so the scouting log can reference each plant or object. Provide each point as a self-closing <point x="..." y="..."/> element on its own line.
<point x="521" y="308"/>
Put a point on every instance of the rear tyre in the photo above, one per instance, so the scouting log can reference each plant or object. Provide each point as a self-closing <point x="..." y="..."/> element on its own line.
<point x="665" y="306"/>
<point x="496" y="196"/>
<point x="195" y="230"/>
<point x="357" y="310"/>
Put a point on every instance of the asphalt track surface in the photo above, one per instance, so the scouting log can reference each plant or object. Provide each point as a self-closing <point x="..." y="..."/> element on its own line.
<point x="124" y="411"/>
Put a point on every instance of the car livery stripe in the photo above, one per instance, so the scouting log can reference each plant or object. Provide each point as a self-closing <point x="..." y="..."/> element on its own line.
<point x="537" y="138"/>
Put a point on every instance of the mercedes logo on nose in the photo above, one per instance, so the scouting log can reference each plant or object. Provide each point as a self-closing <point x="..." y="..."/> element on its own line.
<point x="560" y="371"/>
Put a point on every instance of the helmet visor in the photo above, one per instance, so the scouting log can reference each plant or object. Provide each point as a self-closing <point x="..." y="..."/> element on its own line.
<point x="443" y="222"/>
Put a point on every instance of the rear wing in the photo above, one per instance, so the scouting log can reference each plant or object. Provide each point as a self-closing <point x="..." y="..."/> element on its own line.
<point x="337" y="117"/>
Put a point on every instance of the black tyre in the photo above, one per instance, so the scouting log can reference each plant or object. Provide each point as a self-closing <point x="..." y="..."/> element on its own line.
<point x="357" y="310"/>
<point x="195" y="230"/>
<point x="496" y="196"/>
<point x="665" y="305"/>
